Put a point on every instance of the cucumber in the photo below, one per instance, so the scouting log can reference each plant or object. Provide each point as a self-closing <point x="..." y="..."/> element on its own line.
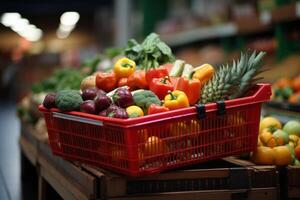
<point x="177" y="68"/>
<point x="187" y="70"/>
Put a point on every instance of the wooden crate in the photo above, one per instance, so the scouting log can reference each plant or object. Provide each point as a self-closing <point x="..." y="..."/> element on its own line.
<point x="290" y="182"/>
<point x="222" y="179"/>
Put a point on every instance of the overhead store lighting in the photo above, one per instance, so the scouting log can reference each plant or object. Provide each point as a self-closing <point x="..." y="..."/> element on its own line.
<point x="69" y="18"/>
<point x="21" y="26"/>
<point x="68" y="22"/>
<point x="8" y="19"/>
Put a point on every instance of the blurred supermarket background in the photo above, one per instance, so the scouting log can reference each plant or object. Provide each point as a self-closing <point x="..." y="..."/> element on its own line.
<point x="37" y="38"/>
<point x="42" y="43"/>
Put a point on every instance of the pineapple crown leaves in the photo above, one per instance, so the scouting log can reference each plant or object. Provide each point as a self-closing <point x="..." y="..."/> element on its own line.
<point x="232" y="80"/>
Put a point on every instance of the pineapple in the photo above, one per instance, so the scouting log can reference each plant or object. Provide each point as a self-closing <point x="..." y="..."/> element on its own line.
<point x="232" y="81"/>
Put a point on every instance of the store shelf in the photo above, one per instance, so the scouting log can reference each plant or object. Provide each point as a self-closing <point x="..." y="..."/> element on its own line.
<point x="248" y="25"/>
<point x="286" y="13"/>
<point x="199" y="34"/>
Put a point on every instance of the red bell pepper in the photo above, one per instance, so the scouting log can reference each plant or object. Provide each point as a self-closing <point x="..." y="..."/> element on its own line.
<point x="192" y="88"/>
<point x="153" y="108"/>
<point x="156" y="73"/>
<point x="161" y="86"/>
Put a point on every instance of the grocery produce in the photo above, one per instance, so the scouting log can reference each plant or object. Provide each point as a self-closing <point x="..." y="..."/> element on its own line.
<point x="88" y="106"/>
<point x="297" y="152"/>
<point x="116" y="112"/>
<point x="191" y="88"/>
<point x="151" y="53"/>
<point x="154" y="145"/>
<point x="282" y="155"/>
<point x="134" y="111"/>
<point x="124" y="67"/>
<point x="137" y="80"/>
<point x="122" y="82"/>
<point x="281" y="137"/>
<point x="49" y="101"/>
<point x="287" y="90"/>
<point x="123" y="97"/>
<point x="176" y="99"/>
<point x="187" y="71"/>
<point x="275" y="145"/>
<point x="269" y="122"/>
<point x="61" y="79"/>
<point x="292" y="128"/>
<point x="263" y="156"/>
<point x="154" y="108"/>
<point x="203" y="73"/>
<point x="106" y="81"/>
<point x="102" y="101"/>
<point x="232" y="81"/>
<point x="68" y="100"/>
<point x="161" y="86"/>
<point x="177" y="68"/>
<point x="89" y="93"/>
<point x="159" y="72"/>
<point x="88" y="82"/>
<point x="144" y="98"/>
<point x="146" y="77"/>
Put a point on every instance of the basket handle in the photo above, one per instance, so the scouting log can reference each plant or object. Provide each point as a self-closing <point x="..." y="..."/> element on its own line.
<point x="77" y="119"/>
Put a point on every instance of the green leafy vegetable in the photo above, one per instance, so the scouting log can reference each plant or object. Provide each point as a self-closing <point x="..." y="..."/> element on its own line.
<point x="150" y="54"/>
<point x="144" y="98"/>
<point x="60" y="79"/>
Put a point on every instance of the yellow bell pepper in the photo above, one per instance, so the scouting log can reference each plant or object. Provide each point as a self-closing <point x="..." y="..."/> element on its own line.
<point x="203" y="73"/>
<point x="176" y="99"/>
<point x="134" y="111"/>
<point x="124" y="67"/>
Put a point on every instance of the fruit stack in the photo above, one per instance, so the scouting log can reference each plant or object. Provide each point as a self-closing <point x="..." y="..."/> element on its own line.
<point x="287" y="89"/>
<point x="278" y="145"/>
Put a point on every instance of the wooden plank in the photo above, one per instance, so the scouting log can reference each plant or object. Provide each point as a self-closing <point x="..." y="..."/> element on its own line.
<point x="29" y="150"/>
<point x="294" y="192"/>
<point x="87" y="183"/>
<point x="64" y="187"/>
<point x="42" y="188"/>
<point x="264" y="193"/>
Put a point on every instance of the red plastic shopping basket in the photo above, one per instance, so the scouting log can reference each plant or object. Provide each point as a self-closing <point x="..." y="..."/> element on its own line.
<point x="154" y="143"/>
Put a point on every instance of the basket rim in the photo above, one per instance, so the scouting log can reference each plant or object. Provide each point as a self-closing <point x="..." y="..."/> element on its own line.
<point x="262" y="93"/>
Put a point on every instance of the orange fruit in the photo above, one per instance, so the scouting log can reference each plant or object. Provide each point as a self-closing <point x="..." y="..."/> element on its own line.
<point x="263" y="156"/>
<point x="282" y="155"/>
<point x="294" y="98"/>
<point x="297" y="152"/>
<point x="296" y="83"/>
<point x="268" y="122"/>
<point x="283" y="82"/>
<point x="267" y="138"/>
<point x="154" y="145"/>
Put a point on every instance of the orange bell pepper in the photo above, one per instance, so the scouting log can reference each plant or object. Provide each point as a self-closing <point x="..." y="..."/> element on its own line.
<point x="137" y="80"/>
<point x="191" y="88"/>
<point x="106" y="81"/>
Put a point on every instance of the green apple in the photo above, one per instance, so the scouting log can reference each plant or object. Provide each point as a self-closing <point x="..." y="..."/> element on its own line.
<point x="281" y="137"/>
